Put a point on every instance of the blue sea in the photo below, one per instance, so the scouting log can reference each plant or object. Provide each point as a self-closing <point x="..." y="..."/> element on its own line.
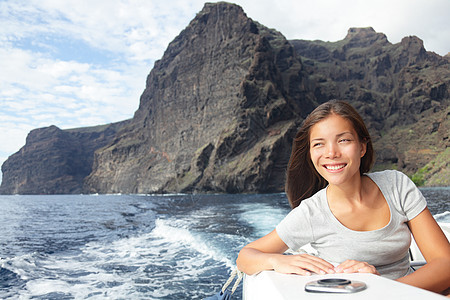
<point x="135" y="246"/>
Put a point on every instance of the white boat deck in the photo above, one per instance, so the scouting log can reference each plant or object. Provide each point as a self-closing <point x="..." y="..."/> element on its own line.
<point x="271" y="285"/>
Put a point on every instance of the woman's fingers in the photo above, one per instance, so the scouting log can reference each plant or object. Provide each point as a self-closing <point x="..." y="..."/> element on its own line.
<point x="319" y="260"/>
<point x="353" y="266"/>
<point x="315" y="264"/>
<point x="293" y="269"/>
<point x="303" y="264"/>
<point x="344" y="266"/>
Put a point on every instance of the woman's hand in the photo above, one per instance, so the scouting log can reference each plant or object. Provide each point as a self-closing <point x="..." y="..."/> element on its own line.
<point x="354" y="266"/>
<point x="302" y="264"/>
<point x="266" y="253"/>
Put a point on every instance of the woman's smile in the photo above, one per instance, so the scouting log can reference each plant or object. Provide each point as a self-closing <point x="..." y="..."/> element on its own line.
<point x="334" y="167"/>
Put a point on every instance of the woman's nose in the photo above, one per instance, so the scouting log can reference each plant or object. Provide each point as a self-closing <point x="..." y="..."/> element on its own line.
<point x="332" y="150"/>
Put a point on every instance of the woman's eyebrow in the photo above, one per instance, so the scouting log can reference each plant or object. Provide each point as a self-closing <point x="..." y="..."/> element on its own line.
<point x="338" y="135"/>
<point x="317" y="139"/>
<point x="344" y="133"/>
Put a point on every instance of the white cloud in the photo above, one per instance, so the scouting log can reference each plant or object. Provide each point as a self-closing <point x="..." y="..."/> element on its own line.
<point x="13" y="133"/>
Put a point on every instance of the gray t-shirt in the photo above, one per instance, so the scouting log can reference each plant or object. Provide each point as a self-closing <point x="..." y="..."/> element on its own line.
<point x="386" y="248"/>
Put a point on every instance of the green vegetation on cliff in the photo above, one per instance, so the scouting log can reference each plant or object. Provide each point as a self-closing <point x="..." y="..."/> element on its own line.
<point x="434" y="173"/>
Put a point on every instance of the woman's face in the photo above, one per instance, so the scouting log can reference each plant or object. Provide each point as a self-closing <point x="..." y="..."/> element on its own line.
<point x="335" y="150"/>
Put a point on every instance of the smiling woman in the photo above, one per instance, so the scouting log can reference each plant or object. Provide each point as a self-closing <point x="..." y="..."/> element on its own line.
<point x="328" y="128"/>
<point x="356" y="222"/>
<point x="336" y="150"/>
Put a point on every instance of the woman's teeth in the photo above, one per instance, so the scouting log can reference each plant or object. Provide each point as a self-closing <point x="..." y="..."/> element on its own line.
<point x="335" y="167"/>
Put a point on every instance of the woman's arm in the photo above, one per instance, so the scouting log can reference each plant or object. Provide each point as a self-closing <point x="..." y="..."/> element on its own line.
<point x="435" y="248"/>
<point x="266" y="253"/>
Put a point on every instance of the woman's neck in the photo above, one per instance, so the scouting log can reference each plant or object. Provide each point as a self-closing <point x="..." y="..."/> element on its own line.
<point x="351" y="191"/>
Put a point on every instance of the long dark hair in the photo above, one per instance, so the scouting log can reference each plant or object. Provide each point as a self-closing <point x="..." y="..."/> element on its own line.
<point x="302" y="178"/>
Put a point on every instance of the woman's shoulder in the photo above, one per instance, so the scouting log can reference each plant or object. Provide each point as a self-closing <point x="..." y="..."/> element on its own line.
<point x="311" y="210"/>
<point x="389" y="176"/>
<point x="314" y="202"/>
<point x="393" y="181"/>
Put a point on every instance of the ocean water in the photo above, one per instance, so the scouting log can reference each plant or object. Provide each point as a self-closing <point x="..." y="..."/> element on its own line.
<point x="135" y="246"/>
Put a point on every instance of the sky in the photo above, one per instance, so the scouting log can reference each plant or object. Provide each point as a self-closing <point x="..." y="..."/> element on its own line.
<point x="78" y="63"/>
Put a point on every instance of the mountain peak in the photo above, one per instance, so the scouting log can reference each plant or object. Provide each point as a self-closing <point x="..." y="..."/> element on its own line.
<point x="361" y="31"/>
<point x="413" y="44"/>
<point x="221" y="87"/>
<point x="364" y="37"/>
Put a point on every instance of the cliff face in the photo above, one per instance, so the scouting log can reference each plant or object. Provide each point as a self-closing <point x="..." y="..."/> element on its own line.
<point x="221" y="107"/>
<point x="217" y="114"/>
<point x="54" y="161"/>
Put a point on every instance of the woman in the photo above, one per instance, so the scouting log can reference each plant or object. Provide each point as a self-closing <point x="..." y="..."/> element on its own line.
<point x="356" y="222"/>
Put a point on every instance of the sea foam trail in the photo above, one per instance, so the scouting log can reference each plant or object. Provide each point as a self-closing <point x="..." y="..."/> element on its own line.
<point x="131" y="267"/>
<point x="443" y="217"/>
<point x="263" y="218"/>
<point x="167" y="262"/>
<point x="176" y="235"/>
<point x="79" y="276"/>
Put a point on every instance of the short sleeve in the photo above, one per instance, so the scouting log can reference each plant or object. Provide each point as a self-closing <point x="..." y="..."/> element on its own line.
<point x="411" y="199"/>
<point x="295" y="229"/>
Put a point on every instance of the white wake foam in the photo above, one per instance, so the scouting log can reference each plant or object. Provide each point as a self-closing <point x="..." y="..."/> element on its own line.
<point x="443" y="217"/>
<point x="149" y="265"/>
<point x="262" y="217"/>
<point x="176" y="235"/>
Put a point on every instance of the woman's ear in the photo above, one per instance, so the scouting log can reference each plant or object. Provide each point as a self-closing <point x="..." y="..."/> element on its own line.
<point x="363" y="148"/>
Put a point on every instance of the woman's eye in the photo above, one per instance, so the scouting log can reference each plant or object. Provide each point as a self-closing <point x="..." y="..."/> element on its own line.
<point x="344" y="140"/>
<point x="317" y="145"/>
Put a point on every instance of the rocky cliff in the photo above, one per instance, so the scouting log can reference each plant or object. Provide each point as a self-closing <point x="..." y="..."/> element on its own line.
<point x="221" y="107"/>
<point x="55" y="161"/>
<point x="217" y="113"/>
